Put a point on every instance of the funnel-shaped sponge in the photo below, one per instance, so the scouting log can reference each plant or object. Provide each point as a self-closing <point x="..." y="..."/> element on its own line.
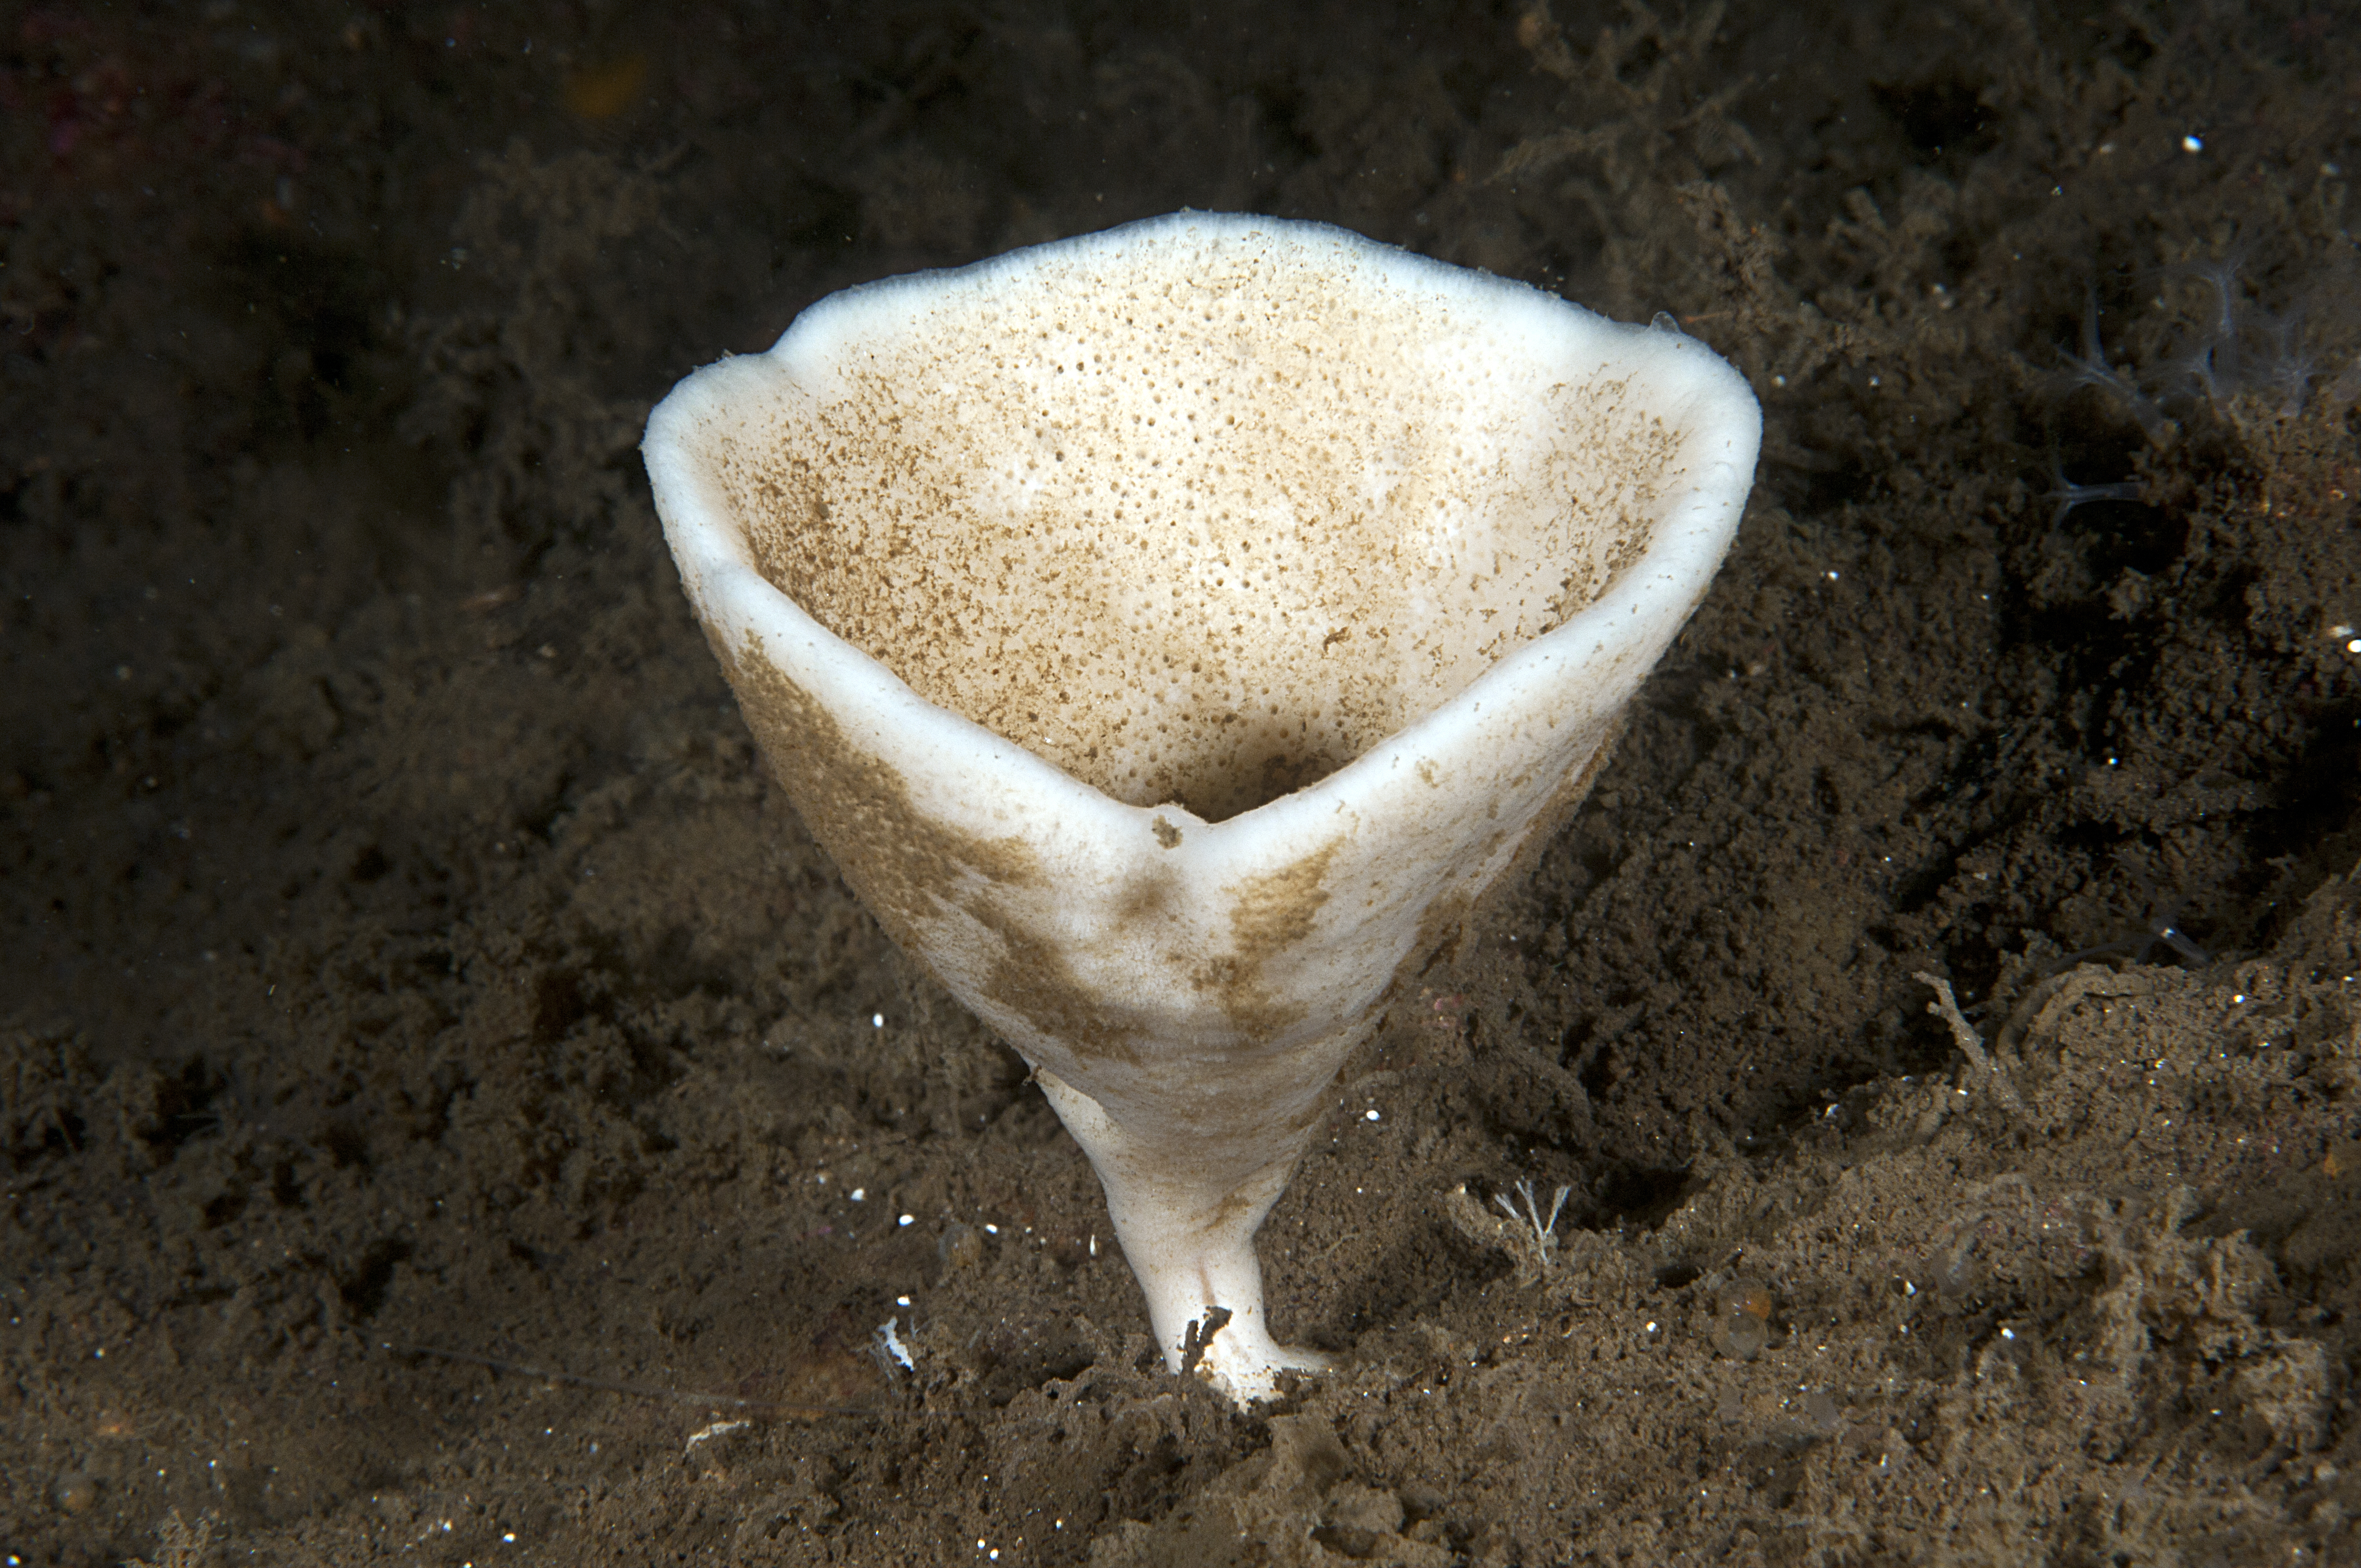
<point x="1171" y="632"/>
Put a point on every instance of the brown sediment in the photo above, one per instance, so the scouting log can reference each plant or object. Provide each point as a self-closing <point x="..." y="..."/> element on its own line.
<point x="1116" y="549"/>
<point x="909" y="865"/>
<point x="495" y="999"/>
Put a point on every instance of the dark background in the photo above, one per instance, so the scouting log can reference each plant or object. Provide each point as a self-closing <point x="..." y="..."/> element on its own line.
<point x="404" y="948"/>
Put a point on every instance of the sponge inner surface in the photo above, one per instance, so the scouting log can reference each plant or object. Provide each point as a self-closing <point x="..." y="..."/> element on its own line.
<point x="1201" y="516"/>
